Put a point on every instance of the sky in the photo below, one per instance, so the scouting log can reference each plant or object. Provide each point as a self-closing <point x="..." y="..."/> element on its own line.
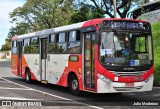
<point x="7" y="6"/>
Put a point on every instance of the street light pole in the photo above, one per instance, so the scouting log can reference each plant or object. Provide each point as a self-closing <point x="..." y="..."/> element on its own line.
<point x="115" y="8"/>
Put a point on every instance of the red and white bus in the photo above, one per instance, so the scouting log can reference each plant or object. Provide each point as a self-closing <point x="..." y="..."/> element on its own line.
<point x="100" y="56"/>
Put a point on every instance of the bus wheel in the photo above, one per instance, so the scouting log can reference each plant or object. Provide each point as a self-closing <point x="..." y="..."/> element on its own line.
<point x="28" y="76"/>
<point x="74" y="85"/>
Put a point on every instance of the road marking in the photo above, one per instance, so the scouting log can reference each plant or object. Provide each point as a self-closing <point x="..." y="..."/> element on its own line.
<point x="4" y="82"/>
<point x="156" y="95"/>
<point x="15" y="88"/>
<point x="15" y="98"/>
<point x="96" y="107"/>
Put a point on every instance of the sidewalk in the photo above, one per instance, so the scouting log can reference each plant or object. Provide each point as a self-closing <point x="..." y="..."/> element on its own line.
<point x="5" y="60"/>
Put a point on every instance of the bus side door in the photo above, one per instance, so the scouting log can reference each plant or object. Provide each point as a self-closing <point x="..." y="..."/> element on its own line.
<point x="89" y="64"/>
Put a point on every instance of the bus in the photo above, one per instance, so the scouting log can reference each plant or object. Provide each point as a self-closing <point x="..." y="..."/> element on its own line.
<point x="149" y="12"/>
<point x="103" y="55"/>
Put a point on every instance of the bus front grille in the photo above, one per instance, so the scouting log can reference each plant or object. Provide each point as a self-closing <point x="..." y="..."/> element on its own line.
<point x="137" y="73"/>
<point x="128" y="88"/>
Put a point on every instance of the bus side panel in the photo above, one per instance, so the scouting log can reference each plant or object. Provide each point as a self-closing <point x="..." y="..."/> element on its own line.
<point x="32" y="62"/>
<point x="75" y="67"/>
<point x="24" y="65"/>
<point x="55" y="67"/>
<point x="14" y="64"/>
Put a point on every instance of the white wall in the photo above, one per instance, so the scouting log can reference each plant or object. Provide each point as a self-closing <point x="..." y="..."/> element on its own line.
<point x="5" y="54"/>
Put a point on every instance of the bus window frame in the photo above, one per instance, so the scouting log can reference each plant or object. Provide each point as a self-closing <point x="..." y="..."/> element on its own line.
<point x="38" y="43"/>
<point x="27" y="45"/>
<point x="67" y="41"/>
<point x="75" y="41"/>
<point x="14" y="46"/>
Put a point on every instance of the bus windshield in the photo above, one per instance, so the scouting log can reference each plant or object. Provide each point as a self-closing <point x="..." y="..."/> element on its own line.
<point x="125" y="48"/>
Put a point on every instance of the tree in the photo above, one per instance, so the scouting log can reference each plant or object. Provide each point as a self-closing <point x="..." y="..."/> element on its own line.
<point x="37" y="15"/>
<point x="86" y="12"/>
<point x="43" y="14"/>
<point x="6" y="46"/>
<point x="123" y="6"/>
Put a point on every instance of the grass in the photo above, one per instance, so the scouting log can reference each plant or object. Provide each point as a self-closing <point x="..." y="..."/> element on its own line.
<point x="156" y="48"/>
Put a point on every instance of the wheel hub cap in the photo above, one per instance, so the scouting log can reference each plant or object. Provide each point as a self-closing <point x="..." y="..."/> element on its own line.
<point x="74" y="84"/>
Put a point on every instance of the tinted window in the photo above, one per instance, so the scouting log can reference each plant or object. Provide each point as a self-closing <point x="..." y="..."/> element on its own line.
<point x="52" y="47"/>
<point x="74" y="42"/>
<point x="26" y="42"/>
<point x="52" y="38"/>
<point x="74" y="47"/>
<point x="72" y="36"/>
<point x="14" y="43"/>
<point x="14" y="47"/>
<point x="34" y="41"/>
<point x="61" y="37"/>
<point x="61" y="47"/>
<point x="34" y="48"/>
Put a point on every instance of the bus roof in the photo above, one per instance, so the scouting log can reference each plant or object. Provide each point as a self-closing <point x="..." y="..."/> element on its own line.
<point x="49" y="31"/>
<point x="69" y="27"/>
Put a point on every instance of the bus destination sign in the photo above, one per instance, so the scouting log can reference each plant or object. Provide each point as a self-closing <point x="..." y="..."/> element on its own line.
<point x="125" y="25"/>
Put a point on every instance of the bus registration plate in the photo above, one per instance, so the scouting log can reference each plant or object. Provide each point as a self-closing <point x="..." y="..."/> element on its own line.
<point x="129" y="84"/>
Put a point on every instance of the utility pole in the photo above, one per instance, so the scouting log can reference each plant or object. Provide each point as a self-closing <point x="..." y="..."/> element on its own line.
<point x="115" y="8"/>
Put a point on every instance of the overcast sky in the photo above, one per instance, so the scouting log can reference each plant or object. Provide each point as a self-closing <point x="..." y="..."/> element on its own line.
<point x="7" y="6"/>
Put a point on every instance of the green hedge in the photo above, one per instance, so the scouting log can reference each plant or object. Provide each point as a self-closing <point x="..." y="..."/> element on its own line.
<point x="156" y="47"/>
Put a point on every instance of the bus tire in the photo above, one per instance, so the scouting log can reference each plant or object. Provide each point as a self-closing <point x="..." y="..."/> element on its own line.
<point x="118" y="94"/>
<point x="74" y="85"/>
<point x="28" y="76"/>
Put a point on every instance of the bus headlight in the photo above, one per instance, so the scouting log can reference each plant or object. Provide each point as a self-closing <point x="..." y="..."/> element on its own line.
<point x="103" y="78"/>
<point x="149" y="78"/>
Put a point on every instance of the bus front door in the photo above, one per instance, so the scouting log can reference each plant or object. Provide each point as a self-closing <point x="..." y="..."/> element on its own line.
<point x="19" y="65"/>
<point x="44" y="42"/>
<point x="89" y="65"/>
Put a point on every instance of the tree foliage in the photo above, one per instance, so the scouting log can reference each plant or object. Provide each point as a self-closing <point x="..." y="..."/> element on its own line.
<point x="123" y="6"/>
<point x="6" y="46"/>
<point x="43" y="14"/>
<point x="37" y="15"/>
<point x="86" y="12"/>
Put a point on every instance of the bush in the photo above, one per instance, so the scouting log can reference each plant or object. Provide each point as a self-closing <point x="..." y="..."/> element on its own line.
<point x="156" y="48"/>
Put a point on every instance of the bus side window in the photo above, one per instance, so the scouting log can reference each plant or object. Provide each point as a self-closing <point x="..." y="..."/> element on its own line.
<point x="14" y="47"/>
<point x="52" y="44"/>
<point x="61" y="45"/>
<point x="74" y="42"/>
<point x="26" y="45"/>
<point x="34" y="45"/>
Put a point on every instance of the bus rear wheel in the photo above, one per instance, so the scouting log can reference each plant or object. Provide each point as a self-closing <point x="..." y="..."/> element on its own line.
<point x="28" y="76"/>
<point x="74" y="85"/>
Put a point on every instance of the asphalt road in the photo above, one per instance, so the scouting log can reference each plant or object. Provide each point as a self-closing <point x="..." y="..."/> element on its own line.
<point x="15" y="88"/>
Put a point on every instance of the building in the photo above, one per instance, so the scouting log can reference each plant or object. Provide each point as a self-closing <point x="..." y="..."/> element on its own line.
<point x="149" y="12"/>
<point x="5" y="54"/>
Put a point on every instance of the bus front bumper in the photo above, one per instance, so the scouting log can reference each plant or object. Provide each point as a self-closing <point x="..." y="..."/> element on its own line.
<point x="116" y="87"/>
